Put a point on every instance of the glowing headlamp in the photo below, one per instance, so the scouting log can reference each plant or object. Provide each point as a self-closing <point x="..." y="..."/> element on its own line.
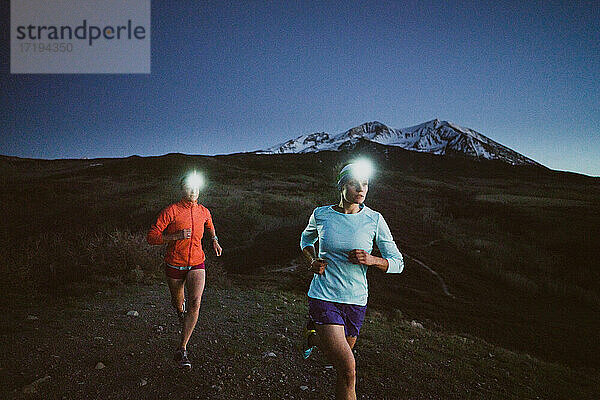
<point x="360" y="169"/>
<point x="194" y="180"/>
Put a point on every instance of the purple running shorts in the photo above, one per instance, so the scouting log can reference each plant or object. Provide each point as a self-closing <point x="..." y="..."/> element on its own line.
<point x="351" y="316"/>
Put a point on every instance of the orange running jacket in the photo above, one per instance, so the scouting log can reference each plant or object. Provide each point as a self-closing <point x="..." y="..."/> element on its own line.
<point x="182" y="215"/>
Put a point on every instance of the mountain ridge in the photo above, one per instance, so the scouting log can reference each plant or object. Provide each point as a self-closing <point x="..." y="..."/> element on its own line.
<point x="434" y="136"/>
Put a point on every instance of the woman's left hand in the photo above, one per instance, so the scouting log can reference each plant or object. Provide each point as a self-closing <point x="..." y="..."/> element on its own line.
<point x="358" y="256"/>
<point x="217" y="247"/>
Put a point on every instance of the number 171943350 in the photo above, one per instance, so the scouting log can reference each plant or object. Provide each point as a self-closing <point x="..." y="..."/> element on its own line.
<point x="46" y="47"/>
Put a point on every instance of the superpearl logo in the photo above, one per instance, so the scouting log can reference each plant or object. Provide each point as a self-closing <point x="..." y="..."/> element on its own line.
<point x="80" y="36"/>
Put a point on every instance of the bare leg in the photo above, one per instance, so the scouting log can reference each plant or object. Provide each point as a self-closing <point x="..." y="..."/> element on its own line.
<point x="314" y="341"/>
<point x="195" y="286"/>
<point x="351" y="341"/>
<point x="177" y="293"/>
<point x="333" y="342"/>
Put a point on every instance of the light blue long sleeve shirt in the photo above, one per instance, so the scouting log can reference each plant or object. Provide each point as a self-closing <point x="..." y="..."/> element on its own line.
<point x="338" y="234"/>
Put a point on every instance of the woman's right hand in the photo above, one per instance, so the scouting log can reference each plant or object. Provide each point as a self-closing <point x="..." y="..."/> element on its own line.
<point x="179" y="235"/>
<point x="184" y="234"/>
<point x="317" y="266"/>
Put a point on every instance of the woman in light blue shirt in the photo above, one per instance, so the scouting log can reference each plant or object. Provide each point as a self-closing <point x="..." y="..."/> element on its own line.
<point x="338" y="293"/>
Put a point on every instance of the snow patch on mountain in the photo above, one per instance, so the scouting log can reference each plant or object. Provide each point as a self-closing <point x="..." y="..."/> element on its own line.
<point x="435" y="136"/>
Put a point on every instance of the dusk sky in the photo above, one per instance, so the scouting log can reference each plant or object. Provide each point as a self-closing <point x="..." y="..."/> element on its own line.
<point x="248" y="75"/>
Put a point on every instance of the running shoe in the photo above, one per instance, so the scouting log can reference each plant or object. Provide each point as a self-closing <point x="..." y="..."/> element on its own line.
<point x="309" y="334"/>
<point x="181" y="358"/>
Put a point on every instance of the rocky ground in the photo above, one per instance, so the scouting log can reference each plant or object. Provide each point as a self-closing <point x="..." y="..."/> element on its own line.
<point x="118" y="343"/>
<point x="95" y="348"/>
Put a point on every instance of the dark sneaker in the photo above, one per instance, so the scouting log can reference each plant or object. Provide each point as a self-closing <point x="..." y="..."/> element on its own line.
<point x="181" y="358"/>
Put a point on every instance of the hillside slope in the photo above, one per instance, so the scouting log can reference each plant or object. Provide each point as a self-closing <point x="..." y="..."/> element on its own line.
<point x="515" y="246"/>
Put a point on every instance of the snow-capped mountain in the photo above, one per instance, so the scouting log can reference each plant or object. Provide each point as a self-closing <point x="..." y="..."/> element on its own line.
<point x="437" y="137"/>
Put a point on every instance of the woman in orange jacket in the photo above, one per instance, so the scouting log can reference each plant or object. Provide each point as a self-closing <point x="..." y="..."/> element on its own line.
<point x="182" y="226"/>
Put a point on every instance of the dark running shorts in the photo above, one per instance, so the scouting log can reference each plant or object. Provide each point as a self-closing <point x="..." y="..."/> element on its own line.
<point x="351" y="316"/>
<point x="176" y="272"/>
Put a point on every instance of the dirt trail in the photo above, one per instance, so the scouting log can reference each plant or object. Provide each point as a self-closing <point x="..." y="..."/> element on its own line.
<point x="245" y="348"/>
<point x="66" y="343"/>
<point x="432" y="271"/>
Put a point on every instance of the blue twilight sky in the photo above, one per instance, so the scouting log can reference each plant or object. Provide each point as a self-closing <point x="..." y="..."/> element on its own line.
<point x="246" y="75"/>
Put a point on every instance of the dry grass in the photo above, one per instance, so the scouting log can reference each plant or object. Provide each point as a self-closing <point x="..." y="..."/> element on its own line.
<point x="70" y="223"/>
